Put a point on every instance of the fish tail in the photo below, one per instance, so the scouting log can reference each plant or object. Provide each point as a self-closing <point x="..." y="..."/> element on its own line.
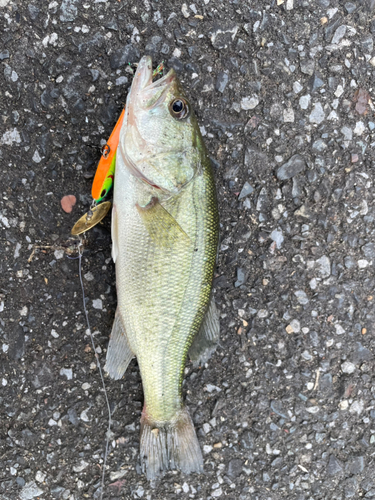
<point x="169" y="445"/>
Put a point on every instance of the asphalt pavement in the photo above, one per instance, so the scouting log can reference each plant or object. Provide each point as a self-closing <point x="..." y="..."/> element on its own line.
<point x="284" y="94"/>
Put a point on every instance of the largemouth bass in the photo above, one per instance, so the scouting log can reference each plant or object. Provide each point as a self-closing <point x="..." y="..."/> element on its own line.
<point x="164" y="243"/>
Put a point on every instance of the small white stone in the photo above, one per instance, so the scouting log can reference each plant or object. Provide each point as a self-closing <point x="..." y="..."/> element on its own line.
<point x="185" y="488"/>
<point x="307" y="356"/>
<point x="59" y="254"/>
<point x="36" y="157"/>
<point x="10" y="136"/>
<point x="206" y="428"/>
<point x="339" y="34"/>
<point x="339" y="329"/>
<point x="4" y="382"/>
<point x="86" y="386"/>
<point x="339" y="91"/>
<point x="317" y="115"/>
<point x="88" y="276"/>
<point x="289" y="4"/>
<point x="313" y="409"/>
<point x="68" y="372"/>
<point x="207" y="448"/>
<point x="54" y="334"/>
<point x="97" y="304"/>
<point x="40" y="476"/>
<point x="297" y="87"/>
<point x="357" y="407"/>
<point x="217" y="493"/>
<point x="372" y="61"/>
<point x="177" y="52"/>
<point x="288" y="115"/>
<point x="343" y="405"/>
<point x="296" y="325"/>
<point x="52" y="422"/>
<point x="310" y="386"/>
<point x="80" y="467"/>
<point x="362" y="263"/>
<point x="333" y="116"/>
<point x="348" y="367"/>
<point x="24" y="311"/>
<point x="304" y="101"/>
<point x="185" y="11"/>
<point x="359" y="128"/>
<point x="249" y="102"/>
<point x="83" y="416"/>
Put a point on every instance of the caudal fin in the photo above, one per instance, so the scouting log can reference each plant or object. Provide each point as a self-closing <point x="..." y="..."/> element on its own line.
<point x="172" y="445"/>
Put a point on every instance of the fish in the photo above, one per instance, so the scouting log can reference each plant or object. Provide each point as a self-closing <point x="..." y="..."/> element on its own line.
<point x="165" y="228"/>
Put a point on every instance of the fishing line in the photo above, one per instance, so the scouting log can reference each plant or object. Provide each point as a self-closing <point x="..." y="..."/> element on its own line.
<point x="80" y="246"/>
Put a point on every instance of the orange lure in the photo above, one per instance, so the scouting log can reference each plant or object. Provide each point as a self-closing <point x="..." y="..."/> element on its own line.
<point x="105" y="172"/>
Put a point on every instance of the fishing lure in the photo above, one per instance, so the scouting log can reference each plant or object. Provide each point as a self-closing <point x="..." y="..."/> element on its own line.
<point x="104" y="176"/>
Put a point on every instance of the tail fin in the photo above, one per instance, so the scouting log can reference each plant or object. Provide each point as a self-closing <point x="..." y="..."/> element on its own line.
<point x="171" y="445"/>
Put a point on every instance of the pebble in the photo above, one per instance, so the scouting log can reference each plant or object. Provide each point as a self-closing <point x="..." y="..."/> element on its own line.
<point x="339" y="329"/>
<point x="249" y="102"/>
<point x="222" y="81"/>
<point x="241" y="277"/>
<point x="245" y="191"/>
<point x="288" y="115"/>
<point x="277" y="237"/>
<point x="348" y="367"/>
<point x="334" y="466"/>
<point x="297" y="87"/>
<point x="68" y="202"/>
<point x="339" y="34"/>
<point x="295" y="326"/>
<point x="323" y="266"/>
<point x="304" y="101"/>
<point x="317" y="115"/>
<point x="301" y="297"/>
<point x="292" y="167"/>
<point x="67" y="372"/>
<point x="97" y="304"/>
<point x="68" y="11"/>
<point x="357" y="407"/>
<point x="11" y="136"/>
<point x="30" y="491"/>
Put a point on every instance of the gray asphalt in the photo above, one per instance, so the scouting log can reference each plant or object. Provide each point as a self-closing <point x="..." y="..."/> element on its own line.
<point x="284" y="93"/>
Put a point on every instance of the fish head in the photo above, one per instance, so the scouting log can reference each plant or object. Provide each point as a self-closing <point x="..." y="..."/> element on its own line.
<point x="160" y="141"/>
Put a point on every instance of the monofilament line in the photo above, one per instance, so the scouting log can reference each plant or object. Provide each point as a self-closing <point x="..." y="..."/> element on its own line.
<point x="98" y="365"/>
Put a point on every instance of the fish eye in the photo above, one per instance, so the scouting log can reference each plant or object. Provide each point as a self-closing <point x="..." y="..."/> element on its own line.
<point x="179" y="108"/>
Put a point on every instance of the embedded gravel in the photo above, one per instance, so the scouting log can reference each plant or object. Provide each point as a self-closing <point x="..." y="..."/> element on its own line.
<point x="284" y="94"/>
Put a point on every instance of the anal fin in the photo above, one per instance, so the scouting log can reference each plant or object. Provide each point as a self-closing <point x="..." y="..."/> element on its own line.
<point x="119" y="353"/>
<point x="204" y="344"/>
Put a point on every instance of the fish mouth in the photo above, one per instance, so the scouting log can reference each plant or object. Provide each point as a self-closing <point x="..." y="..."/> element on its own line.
<point x="143" y="79"/>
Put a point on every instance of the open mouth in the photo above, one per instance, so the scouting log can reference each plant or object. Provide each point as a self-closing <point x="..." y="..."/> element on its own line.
<point x="149" y="79"/>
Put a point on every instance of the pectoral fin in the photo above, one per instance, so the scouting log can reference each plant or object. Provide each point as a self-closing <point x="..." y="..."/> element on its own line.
<point x="163" y="229"/>
<point x="206" y="339"/>
<point x="119" y="353"/>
